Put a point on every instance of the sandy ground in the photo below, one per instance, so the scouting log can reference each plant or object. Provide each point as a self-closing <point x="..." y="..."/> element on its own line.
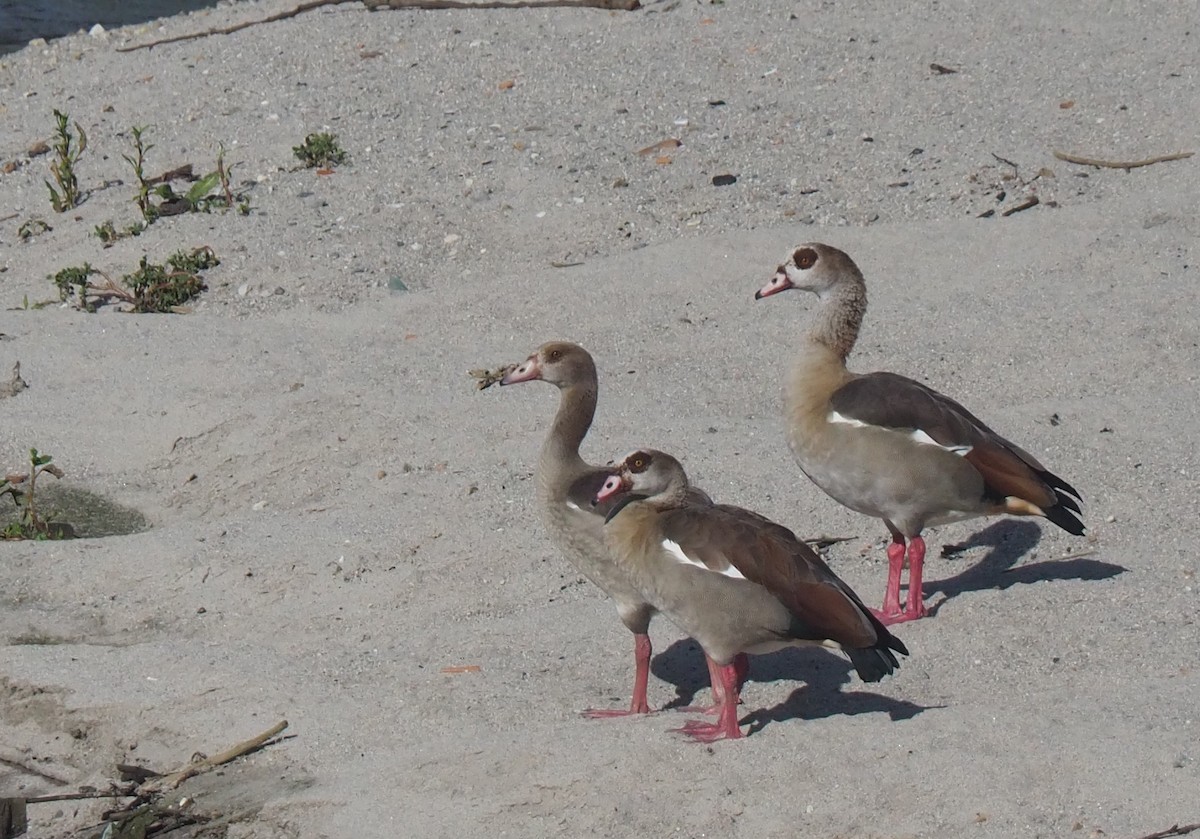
<point x="336" y="514"/>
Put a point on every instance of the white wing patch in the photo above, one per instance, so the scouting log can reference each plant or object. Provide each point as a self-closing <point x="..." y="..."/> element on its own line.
<point x="834" y="416"/>
<point x="572" y="505"/>
<point x="917" y="435"/>
<point x="924" y="439"/>
<point x="674" y="550"/>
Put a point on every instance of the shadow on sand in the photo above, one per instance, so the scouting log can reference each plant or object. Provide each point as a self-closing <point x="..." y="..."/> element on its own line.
<point x="824" y="674"/>
<point x="1009" y="540"/>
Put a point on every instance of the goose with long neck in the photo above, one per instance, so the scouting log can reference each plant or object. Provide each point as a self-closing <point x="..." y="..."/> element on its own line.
<point x="890" y="447"/>
<point x="566" y="488"/>
<point x="732" y="579"/>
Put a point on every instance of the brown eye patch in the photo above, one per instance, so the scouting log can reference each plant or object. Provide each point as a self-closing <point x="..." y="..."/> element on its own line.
<point x="804" y="258"/>
<point x="638" y="462"/>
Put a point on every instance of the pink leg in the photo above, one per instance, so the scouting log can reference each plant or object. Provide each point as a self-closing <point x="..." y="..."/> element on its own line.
<point x="891" y="597"/>
<point x="726" y="727"/>
<point x="916" y="570"/>
<point x="641" y="678"/>
<point x="915" y="607"/>
<point x="741" y="666"/>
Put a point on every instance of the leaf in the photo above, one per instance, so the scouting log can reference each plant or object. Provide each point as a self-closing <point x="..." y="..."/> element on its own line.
<point x="203" y="187"/>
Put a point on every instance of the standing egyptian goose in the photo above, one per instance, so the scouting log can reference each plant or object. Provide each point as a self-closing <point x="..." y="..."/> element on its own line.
<point x="733" y="580"/>
<point x="566" y="488"/>
<point x="890" y="447"/>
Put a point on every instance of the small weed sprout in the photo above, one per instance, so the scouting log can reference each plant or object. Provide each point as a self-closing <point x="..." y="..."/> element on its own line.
<point x="75" y="280"/>
<point x="67" y="151"/>
<point x="138" y="162"/>
<point x="320" y="149"/>
<point x="29" y="525"/>
<point x="33" y="227"/>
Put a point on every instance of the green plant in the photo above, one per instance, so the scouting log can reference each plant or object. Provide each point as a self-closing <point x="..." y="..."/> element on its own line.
<point x="32" y="227"/>
<point x="151" y="288"/>
<point x="138" y="162"/>
<point x="320" y="149"/>
<point x="29" y="524"/>
<point x="213" y="191"/>
<point x="67" y="152"/>
<point x="69" y="279"/>
<point x="108" y="233"/>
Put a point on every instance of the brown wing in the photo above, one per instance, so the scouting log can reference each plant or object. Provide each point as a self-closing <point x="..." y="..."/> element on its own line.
<point x="736" y="542"/>
<point x="895" y="402"/>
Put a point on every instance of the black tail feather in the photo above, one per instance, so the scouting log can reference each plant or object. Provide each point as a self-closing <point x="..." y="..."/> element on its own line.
<point x="873" y="663"/>
<point x="1061" y="486"/>
<point x="1065" y="518"/>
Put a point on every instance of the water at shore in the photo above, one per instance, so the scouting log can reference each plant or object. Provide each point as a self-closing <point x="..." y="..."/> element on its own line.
<point x="23" y="20"/>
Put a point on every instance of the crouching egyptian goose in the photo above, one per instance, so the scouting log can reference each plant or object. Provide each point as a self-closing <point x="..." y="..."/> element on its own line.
<point x="733" y="580"/>
<point x="566" y="488"/>
<point x="890" y="447"/>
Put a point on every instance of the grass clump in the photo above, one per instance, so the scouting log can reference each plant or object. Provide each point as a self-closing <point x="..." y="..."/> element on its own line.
<point x="320" y="149"/>
<point x="67" y="151"/>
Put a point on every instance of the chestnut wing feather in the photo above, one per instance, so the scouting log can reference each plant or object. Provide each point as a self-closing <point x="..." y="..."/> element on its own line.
<point x="766" y="553"/>
<point x="892" y="401"/>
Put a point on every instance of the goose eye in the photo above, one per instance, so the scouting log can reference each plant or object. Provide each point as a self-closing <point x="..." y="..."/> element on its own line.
<point x="639" y="462"/>
<point x="555" y="355"/>
<point x="805" y="258"/>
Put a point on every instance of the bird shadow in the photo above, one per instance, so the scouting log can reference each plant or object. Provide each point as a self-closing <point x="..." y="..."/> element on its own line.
<point x="1009" y="540"/>
<point x="823" y="673"/>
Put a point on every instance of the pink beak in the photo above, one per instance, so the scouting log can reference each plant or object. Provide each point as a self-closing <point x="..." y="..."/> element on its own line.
<point x="779" y="282"/>
<point x="527" y="372"/>
<point x="612" y="487"/>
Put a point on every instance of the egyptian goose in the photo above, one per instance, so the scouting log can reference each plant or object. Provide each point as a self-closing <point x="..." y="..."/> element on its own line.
<point x="890" y="447"/>
<point x="733" y="580"/>
<point x="566" y="488"/>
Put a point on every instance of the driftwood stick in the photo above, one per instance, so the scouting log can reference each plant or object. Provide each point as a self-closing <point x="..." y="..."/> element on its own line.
<point x="613" y="5"/>
<point x="79" y="796"/>
<point x="237" y="27"/>
<point x="1173" y="830"/>
<point x="1121" y="164"/>
<point x="45" y="772"/>
<point x="176" y="778"/>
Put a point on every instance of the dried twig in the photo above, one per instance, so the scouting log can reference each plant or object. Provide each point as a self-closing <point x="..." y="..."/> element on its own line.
<point x="174" y="779"/>
<point x="1173" y="830"/>
<point x="823" y="542"/>
<point x="1031" y="201"/>
<point x="1121" y="164"/>
<point x="614" y="5"/>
